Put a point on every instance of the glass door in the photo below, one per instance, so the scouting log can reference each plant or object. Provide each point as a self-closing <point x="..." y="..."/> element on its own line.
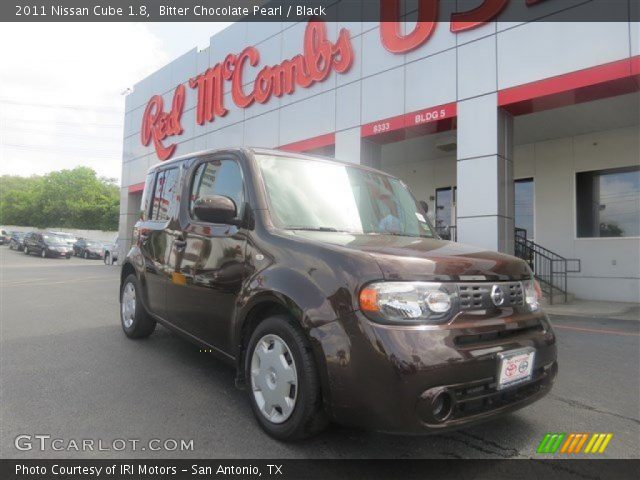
<point x="446" y="212"/>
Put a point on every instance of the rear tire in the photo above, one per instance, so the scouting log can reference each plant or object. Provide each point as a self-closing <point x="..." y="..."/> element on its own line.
<point x="308" y="416"/>
<point x="135" y="320"/>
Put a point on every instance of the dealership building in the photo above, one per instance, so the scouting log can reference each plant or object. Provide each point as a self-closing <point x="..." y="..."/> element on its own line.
<point x="522" y="137"/>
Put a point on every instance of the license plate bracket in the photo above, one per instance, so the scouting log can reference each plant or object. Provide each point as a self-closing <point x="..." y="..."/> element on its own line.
<point x="515" y="367"/>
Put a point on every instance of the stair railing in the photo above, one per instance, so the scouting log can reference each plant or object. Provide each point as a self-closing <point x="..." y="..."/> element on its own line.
<point x="549" y="268"/>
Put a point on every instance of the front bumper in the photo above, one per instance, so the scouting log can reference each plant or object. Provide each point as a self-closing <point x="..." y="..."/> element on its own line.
<point x="57" y="253"/>
<point x="386" y="378"/>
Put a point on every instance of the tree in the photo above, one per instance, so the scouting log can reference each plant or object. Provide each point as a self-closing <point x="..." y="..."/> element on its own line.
<point x="75" y="198"/>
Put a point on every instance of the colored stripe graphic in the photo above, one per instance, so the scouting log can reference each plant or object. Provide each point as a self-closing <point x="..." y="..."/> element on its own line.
<point x="598" y="443"/>
<point x="551" y="442"/>
<point x="572" y="443"/>
<point x="576" y="444"/>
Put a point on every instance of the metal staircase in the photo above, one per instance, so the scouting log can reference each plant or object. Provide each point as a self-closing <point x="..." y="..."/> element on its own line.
<point x="549" y="268"/>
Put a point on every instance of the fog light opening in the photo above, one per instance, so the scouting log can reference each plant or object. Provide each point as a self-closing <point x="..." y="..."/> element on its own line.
<point x="441" y="406"/>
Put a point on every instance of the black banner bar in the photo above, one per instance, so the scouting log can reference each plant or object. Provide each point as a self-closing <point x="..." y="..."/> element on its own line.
<point x="302" y="10"/>
<point x="587" y="469"/>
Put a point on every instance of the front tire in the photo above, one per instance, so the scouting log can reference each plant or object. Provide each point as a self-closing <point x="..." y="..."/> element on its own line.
<point x="135" y="321"/>
<point x="284" y="386"/>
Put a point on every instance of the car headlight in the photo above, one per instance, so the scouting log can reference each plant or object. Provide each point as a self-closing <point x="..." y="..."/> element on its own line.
<point x="532" y="294"/>
<point x="408" y="302"/>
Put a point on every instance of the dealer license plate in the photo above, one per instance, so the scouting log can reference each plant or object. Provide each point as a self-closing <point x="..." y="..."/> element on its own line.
<point x="515" y="366"/>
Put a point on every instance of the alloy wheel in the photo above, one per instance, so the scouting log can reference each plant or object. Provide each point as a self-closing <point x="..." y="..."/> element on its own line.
<point x="128" y="305"/>
<point x="274" y="379"/>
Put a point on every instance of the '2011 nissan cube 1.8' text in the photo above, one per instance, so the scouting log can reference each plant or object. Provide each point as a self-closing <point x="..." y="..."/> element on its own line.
<point x="327" y="288"/>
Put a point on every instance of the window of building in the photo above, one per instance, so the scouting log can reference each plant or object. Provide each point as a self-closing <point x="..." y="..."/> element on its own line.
<point x="165" y="193"/>
<point x="608" y="203"/>
<point x="524" y="205"/>
<point x="219" y="177"/>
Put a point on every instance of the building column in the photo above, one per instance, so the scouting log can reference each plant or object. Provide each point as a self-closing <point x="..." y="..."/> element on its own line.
<point x="351" y="147"/>
<point x="485" y="196"/>
<point x="129" y="215"/>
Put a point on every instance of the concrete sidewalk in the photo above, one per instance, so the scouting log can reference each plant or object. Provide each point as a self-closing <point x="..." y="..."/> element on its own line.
<point x="596" y="309"/>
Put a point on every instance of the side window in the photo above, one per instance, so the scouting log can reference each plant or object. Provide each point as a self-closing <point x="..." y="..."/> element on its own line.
<point x="164" y="194"/>
<point x="218" y="177"/>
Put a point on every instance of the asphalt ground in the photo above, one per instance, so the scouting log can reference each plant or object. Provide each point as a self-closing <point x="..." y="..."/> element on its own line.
<point x="68" y="371"/>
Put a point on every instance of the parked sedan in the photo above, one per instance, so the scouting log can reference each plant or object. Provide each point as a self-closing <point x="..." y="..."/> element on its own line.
<point x="88" y="249"/>
<point x="69" y="238"/>
<point x="46" y="245"/>
<point x="16" y="242"/>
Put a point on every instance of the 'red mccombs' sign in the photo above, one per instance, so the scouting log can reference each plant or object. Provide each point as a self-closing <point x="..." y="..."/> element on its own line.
<point x="319" y="58"/>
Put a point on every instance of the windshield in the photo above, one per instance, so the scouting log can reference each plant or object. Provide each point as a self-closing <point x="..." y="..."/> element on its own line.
<point x="53" y="239"/>
<point x="317" y="195"/>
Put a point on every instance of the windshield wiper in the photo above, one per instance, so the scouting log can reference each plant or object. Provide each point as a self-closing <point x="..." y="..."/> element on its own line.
<point x="316" y="229"/>
<point x="399" y="234"/>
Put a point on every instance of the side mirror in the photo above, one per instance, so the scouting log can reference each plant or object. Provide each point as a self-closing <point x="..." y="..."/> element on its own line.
<point x="424" y="205"/>
<point x="216" y="209"/>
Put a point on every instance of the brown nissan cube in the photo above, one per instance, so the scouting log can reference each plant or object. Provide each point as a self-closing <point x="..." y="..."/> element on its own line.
<point x="326" y="287"/>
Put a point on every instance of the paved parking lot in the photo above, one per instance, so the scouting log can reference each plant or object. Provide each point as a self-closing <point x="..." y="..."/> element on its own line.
<point x="69" y="372"/>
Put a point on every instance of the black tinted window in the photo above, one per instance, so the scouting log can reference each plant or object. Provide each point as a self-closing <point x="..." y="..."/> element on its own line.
<point x="165" y="192"/>
<point x="524" y="205"/>
<point x="218" y="177"/>
<point x="608" y="203"/>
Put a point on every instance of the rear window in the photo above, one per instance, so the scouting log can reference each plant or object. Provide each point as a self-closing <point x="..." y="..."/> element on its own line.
<point x="165" y="194"/>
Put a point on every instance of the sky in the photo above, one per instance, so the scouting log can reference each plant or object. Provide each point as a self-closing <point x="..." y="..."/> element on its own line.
<point x="61" y="88"/>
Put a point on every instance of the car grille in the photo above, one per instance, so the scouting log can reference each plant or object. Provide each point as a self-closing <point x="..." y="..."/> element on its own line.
<point x="477" y="296"/>
<point x="484" y="396"/>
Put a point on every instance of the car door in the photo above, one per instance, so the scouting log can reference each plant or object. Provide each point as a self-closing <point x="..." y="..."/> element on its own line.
<point x="208" y="260"/>
<point x="153" y="241"/>
<point x="39" y="244"/>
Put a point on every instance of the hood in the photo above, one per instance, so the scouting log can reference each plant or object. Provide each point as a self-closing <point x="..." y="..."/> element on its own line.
<point x="417" y="258"/>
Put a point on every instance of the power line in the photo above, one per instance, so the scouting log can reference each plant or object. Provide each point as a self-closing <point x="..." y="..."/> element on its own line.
<point x="64" y="134"/>
<point x="71" y="151"/>
<point x="102" y="108"/>
<point x="63" y="123"/>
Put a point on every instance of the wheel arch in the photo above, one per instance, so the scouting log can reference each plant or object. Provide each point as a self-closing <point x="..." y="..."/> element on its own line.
<point x="127" y="269"/>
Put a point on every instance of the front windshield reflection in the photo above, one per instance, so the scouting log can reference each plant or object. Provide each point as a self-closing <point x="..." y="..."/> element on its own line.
<point x="321" y="195"/>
